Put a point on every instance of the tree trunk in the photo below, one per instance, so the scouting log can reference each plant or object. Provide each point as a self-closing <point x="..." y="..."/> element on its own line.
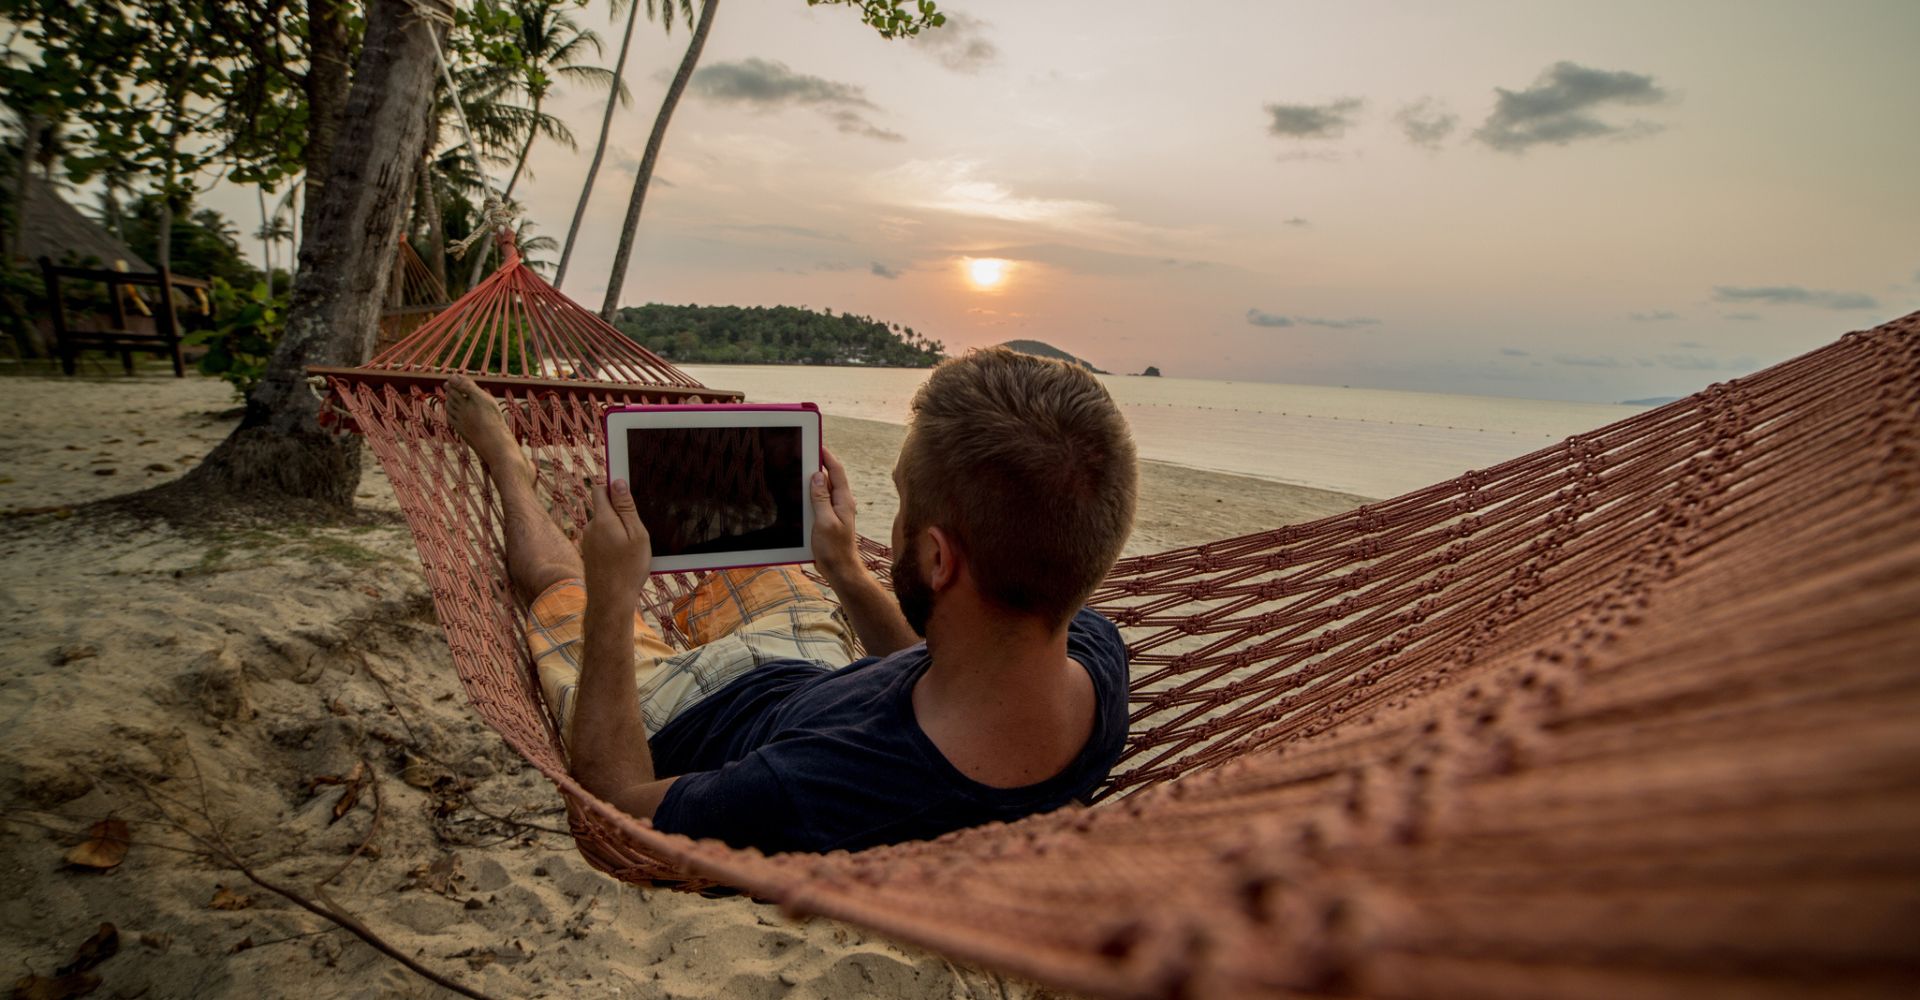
<point x="163" y="236"/>
<point x="326" y="85"/>
<point x="22" y="196"/>
<point x="279" y="453"/>
<point x="624" y="255"/>
<point x="599" y="147"/>
<point x="266" y="239"/>
<point x="436" y="255"/>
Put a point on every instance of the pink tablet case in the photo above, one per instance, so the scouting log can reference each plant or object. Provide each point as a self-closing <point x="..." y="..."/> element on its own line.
<point x="606" y="430"/>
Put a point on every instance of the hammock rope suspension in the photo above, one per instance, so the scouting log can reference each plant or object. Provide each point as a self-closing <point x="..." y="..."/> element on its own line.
<point x="1630" y="715"/>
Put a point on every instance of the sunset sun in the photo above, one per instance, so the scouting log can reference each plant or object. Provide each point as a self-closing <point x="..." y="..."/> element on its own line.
<point x="986" y="272"/>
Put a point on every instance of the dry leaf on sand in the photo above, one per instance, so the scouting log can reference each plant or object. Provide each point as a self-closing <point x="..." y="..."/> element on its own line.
<point x="106" y="845"/>
<point x="72" y="979"/>
<point x="104" y="944"/>
<point x="226" y="899"/>
<point x="66" y="987"/>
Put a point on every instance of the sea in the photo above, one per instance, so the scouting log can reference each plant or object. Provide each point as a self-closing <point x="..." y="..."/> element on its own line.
<point x="1372" y="442"/>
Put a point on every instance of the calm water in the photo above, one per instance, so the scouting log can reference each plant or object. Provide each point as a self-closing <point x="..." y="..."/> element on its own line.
<point x="1374" y="442"/>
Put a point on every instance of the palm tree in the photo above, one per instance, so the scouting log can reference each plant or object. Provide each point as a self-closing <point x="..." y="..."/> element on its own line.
<point x="551" y="46"/>
<point x="618" y="93"/>
<point x="643" y="176"/>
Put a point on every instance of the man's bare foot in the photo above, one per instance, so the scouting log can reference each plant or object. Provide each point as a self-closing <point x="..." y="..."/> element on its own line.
<point x="475" y="416"/>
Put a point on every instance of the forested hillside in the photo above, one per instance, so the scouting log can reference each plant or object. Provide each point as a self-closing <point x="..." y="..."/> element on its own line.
<point x="774" y="335"/>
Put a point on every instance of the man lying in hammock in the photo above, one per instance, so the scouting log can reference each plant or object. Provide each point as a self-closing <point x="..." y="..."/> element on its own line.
<point x="1017" y="487"/>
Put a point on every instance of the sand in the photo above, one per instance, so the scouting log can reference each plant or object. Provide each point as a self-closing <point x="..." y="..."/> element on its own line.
<point x="255" y="675"/>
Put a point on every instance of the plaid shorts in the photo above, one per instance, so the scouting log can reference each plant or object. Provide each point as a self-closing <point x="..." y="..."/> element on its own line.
<point x="735" y="620"/>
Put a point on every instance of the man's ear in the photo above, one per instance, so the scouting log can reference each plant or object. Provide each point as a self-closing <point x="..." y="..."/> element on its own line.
<point x="942" y="560"/>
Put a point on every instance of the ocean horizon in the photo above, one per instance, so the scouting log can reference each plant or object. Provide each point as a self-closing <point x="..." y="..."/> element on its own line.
<point x="1371" y="442"/>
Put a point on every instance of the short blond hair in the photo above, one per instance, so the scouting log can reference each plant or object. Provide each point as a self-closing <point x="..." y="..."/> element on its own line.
<point x="1027" y="463"/>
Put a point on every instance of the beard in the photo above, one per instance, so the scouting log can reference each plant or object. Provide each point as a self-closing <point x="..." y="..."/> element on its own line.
<point x="911" y="589"/>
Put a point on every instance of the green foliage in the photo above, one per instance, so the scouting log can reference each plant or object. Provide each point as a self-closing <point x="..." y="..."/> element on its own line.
<point x="247" y="324"/>
<point x="776" y="335"/>
<point x="205" y="244"/>
<point x="22" y="297"/>
<point x="890" y="19"/>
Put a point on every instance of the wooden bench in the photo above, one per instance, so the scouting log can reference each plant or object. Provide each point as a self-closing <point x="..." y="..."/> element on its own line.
<point x="158" y="335"/>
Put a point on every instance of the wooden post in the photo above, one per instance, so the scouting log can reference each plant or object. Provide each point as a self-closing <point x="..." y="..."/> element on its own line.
<point x="169" y="323"/>
<point x="50" y="278"/>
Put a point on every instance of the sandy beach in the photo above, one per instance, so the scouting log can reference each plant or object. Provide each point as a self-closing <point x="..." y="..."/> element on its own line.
<point x="288" y="683"/>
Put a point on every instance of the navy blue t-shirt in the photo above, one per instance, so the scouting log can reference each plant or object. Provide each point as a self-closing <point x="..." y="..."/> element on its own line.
<point x="797" y="756"/>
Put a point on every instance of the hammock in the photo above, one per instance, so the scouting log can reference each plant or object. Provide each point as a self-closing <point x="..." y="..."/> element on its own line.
<point x="1636" y="714"/>
<point x="414" y="296"/>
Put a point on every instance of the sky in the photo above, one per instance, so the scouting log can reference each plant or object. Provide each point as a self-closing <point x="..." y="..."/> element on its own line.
<point x="1583" y="200"/>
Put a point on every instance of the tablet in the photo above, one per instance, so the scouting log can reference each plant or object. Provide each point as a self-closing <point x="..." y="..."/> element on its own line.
<point x="719" y="485"/>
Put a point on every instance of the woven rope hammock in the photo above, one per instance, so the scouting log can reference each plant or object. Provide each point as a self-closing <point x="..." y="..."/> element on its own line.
<point x="1637" y="714"/>
<point x="414" y="296"/>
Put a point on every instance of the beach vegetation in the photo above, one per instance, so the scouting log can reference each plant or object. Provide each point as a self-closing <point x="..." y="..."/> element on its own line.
<point x="246" y="325"/>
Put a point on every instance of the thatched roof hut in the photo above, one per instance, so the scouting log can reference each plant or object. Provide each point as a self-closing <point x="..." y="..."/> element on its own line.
<point x="51" y="226"/>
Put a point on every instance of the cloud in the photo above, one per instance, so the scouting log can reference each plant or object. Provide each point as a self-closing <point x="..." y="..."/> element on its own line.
<point x="854" y="123"/>
<point x="1558" y="108"/>
<point x="1083" y="260"/>
<point x="765" y="85"/>
<point x="961" y="44"/>
<point x="1590" y="361"/>
<point x="1313" y="121"/>
<point x="1691" y="345"/>
<point x="1656" y="316"/>
<point x="1742" y="317"/>
<point x="1426" y="122"/>
<point x="775" y="229"/>
<point x="1299" y="223"/>
<point x="1703" y="363"/>
<point x="1794" y="295"/>
<point x="956" y="186"/>
<point x="1258" y="318"/>
<point x="883" y="271"/>
<point x="1513" y="352"/>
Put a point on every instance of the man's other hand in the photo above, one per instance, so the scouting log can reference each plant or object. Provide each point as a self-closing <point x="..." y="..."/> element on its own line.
<point x="615" y="548"/>
<point x="833" y="509"/>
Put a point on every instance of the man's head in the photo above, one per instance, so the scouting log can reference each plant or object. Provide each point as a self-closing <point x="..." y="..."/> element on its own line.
<point x="1025" y="470"/>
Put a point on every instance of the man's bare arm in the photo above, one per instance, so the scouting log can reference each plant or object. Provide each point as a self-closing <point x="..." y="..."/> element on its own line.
<point x="610" y="755"/>
<point x="875" y="614"/>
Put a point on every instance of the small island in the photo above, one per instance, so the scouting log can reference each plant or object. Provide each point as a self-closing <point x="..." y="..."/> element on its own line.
<point x="1046" y="350"/>
<point x="774" y="335"/>
<point x="1151" y="372"/>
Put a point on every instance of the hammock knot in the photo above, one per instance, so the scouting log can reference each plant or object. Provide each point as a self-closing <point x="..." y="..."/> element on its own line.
<point x="1275" y="589"/>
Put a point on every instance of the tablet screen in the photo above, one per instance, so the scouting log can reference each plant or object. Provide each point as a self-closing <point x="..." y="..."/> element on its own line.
<point x="718" y="489"/>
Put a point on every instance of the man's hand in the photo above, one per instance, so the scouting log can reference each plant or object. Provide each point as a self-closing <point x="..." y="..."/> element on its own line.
<point x="834" y="543"/>
<point x="615" y="548"/>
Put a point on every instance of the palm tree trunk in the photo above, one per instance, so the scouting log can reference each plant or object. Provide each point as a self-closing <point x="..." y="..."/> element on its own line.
<point x="280" y="453"/>
<point x="599" y="148"/>
<point x="624" y="255"/>
<point x="326" y="86"/>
